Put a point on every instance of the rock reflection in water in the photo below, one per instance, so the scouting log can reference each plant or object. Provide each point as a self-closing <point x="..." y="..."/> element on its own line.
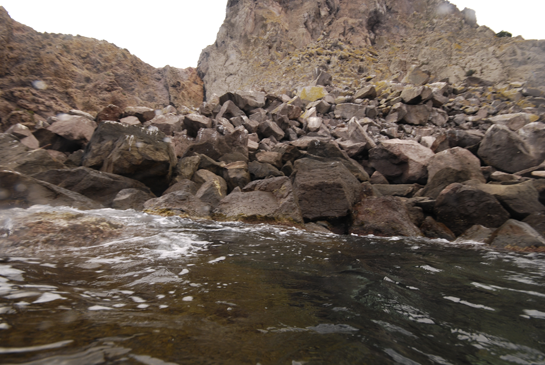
<point x="122" y="287"/>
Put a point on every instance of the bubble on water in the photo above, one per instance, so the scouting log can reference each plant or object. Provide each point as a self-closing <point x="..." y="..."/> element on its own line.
<point x="143" y="306"/>
<point x="39" y="85"/>
<point x="187" y="299"/>
<point x="183" y="272"/>
<point x="99" y="308"/>
<point x="48" y="297"/>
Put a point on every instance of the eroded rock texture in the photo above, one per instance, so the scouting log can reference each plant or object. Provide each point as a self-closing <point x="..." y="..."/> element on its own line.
<point x="281" y="45"/>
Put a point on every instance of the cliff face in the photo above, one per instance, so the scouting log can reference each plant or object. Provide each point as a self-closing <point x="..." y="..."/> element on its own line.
<point x="277" y="44"/>
<point x="43" y="74"/>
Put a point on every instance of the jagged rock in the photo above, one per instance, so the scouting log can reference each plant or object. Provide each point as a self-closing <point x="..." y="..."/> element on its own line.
<point x="324" y="189"/>
<point x="254" y="205"/>
<point x="133" y="152"/>
<point x="414" y="95"/>
<point x="464" y="139"/>
<point x="194" y="122"/>
<point x="438" y="117"/>
<point x="537" y="222"/>
<point x="224" y="126"/>
<point x="131" y="199"/>
<point x="187" y="166"/>
<point x="245" y="100"/>
<point x="74" y="128"/>
<point x="202" y="176"/>
<point x="236" y="174"/>
<point x="329" y="151"/>
<point x="268" y="129"/>
<point x="378" y="178"/>
<point x="417" y="114"/>
<point x="130" y="121"/>
<point x="211" y="192"/>
<point x="382" y="216"/>
<point x="20" y="190"/>
<point x="18" y="157"/>
<point x="476" y="233"/>
<point x="179" y="202"/>
<point x="432" y="229"/>
<point x="282" y="189"/>
<point x="397" y="113"/>
<point x="311" y="93"/>
<point x="206" y="163"/>
<point x="515" y="234"/>
<point x="401" y="190"/>
<point x="96" y="185"/>
<point x="450" y="166"/>
<point x="273" y="158"/>
<point x="520" y="200"/>
<point x="367" y="92"/>
<point x="230" y="110"/>
<point x="401" y="161"/>
<point x="353" y="149"/>
<point x="74" y="159"/>
<point x="459" y="207"/>
<point x="258" y="170"/>
<point x="167" y="123"/>
<point x="24" y="135"/>
<point x="512" y="151"/>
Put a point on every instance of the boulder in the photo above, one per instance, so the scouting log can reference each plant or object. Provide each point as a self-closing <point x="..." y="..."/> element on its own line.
<point x="328" y="151"/>
<point x="432" y="229"/>
<point x="508" y="151"/>
<point x="367" y="92"/>
<point x="401" y="190"/>
<point x="459" y="207"/>
<point x="416" y="94"/>
<point x="202" y="176"/>
<point x="401" y="161"/>
<point x="268" y="129"/>
<point x="236" y="174"/>
<point x="131" y="199"/>
<point x="229" y="110"/>
<point x="515" y="234"/>
<point x="382" y="216"/>
<point x="20" y="190"/>
<point x="417" y="114"/>
<point x="282" y="189"/>
<point x="74" y="128"/>
<point x="324" y="189"/>
<point x="186" y="167"/>
<point x="18" y="157"/>
<point x="450" y="166"/>
<point x="167" y="123"/>
<point x="416" y="76"/>
<point x="273" y="158"/>
<point x="141" y="112"/>
<point x="258" y="170"/>
<point x="130" y="121"/>
<point x="194" y="122"/>
<point x="24" y="135"/>
<point x="476" y="233"/>
<point x="224" y="126"/>
<point x="180" y="203"/>
<point x="211" y="192"/>
<point x="245" y="100"/>
<point x="133" y="152"/>
<point x="96" y="185"/>
<point x="520" y="200"/>
<point x="311" y="93"/>
<point x="537" y="222"/>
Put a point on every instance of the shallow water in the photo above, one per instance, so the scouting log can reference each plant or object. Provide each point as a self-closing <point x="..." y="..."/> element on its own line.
<point x="176" y="291"/>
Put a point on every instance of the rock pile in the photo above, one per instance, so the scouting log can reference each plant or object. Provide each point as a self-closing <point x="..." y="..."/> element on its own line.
<point x="440" y="160"/>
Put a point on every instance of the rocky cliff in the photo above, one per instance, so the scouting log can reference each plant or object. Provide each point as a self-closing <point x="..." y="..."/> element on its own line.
<point x="279" y="45"/>
<point x="43" y="74"/>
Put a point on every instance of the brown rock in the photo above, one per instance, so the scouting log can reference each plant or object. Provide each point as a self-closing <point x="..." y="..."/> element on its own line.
<point x="515" y="234"/>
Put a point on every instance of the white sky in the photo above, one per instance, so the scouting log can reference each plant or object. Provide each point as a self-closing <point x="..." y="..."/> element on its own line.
<point x="174" y="32"/>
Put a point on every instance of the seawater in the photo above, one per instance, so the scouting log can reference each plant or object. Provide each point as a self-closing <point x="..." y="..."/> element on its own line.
<point x="177" y="291"/>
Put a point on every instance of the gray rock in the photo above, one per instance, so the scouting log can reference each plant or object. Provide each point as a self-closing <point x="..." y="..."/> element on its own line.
<point x="348" y="111"/>
<point x="167" y="123"/>
<point x="260" y="170"/>
<point x="74" y="128"/>
<point x="515" y="234"/>
<point x="476" y="233"/>
<point x="236" y="174"/>
<point x="268" y="129"/>
<point x="417" y="114"/>
<point x="183" y="185"/>
<point x="179" y="202"/>
<point x="194" y="122"/>
<point x="131" y="199"/>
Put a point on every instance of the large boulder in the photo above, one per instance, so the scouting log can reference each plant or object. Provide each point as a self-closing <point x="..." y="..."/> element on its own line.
<point x="133" y="152"/>
<point x="99" y="186"/>
<point x="24" y="135"/>
<point x="245" y="100"/>
<point x="259" y="170"/>
<point x="19" y="190"/>
<point x="18" y="157"/>
<point x="382" y="216"/>
<point x="131" y="199"/>
<point x="450" y="166"/>
<point x="324" y="189"/>
<point x="520" y="200"/>
<point x="515" y="234"/>
<point x="401" y="161"/>
<point x="74" y="128"/>
<point x="328" y="151"/>
<point x="460" y="207"/>
<point x="236" y="174"/>
<point x="511" y="151"/>
<point x="167" y="123"/>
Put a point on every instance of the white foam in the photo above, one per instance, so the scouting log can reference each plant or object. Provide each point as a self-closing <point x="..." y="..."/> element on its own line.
<point x="143" y="306"/>
<point x="11" y="273"/>
<point x="17" y="350"/>
<point x="99" y="308"/>
<point x="479" y="306"/>
<point x="48" y="297"/>
<point x="138" y="300"/>
<point x="534" y="314"/>
<point x="221" y="258"/>
<point x="187" y="299"/>
<point x="430" y="268"/>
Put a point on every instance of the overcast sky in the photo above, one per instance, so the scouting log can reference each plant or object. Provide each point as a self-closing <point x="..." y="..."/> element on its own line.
<point x="174" y="32"/>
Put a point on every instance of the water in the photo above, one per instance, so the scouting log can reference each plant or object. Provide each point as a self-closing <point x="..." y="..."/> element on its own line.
<point x="140" y="289"/>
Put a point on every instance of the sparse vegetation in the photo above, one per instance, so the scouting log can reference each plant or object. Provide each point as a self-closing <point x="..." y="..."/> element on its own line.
<point x="503" y="34"/>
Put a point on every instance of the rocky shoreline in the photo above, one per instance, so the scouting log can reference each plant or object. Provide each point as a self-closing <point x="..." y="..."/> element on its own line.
<point x="391" y="158"/>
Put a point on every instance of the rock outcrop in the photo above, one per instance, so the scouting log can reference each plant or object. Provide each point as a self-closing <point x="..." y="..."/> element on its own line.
<point x="284" y="45"/>
<point x="42" y="74"/>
